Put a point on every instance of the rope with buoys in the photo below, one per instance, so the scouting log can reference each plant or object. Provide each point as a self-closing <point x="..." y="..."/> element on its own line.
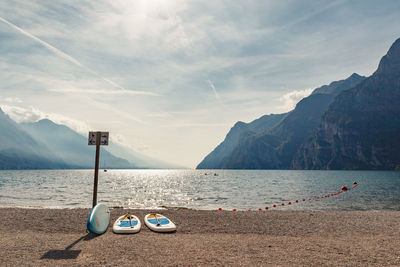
<point x="342" y="190"/>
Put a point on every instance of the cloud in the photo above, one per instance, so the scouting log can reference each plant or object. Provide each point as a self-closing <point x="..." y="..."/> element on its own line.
<point x="19" y="114"/>
<point x="13" y="100"/>
<point x="213" y="88"/>
<point x="292" y="98"/>
<point x="32" y="114"/>
<point x="189" y="53"/>
<point x="65" y="56"/>
<point x="191" y="125"/>
<point x="102" y="91"/>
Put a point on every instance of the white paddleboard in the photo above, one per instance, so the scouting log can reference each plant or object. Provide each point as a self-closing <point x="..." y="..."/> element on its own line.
<point x="159" y="223"/>
<point x="99" y="219"/>
<point x="127" y="224"/>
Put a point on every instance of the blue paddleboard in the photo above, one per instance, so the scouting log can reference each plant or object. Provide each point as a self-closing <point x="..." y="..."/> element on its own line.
<point x="99" y="219"/>
<point x="159" y="223"/>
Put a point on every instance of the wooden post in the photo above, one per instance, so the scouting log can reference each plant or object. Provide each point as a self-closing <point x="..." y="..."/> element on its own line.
<point x="96" y="168"/>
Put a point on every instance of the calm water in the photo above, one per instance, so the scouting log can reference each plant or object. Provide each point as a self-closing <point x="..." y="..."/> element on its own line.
<point x="201" y="189"/>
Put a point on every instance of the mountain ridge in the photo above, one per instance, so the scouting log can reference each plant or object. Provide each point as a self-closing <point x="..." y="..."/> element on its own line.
<point x="47" y="145"/>
<point x="360" y="129"/>
<point x="275" y="147"/>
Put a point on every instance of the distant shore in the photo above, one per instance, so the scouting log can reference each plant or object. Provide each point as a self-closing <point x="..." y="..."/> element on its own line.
<point x="286" y="238"/>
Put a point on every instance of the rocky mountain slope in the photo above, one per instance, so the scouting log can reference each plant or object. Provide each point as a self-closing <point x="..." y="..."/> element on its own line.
<point x="276" y="146"/>
<point x="361" y="129"/>
<point x="217" y="158"/>
<point x="348" y="124"/>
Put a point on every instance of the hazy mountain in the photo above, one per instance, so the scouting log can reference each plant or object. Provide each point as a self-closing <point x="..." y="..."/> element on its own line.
<point x="275" y="147"/>
<point x="361" y="129"/>
<point x="240" y="131"/>
<point x="138" y="159"/>
<point x="47" y="145"/>
<point x="18" y="150"/>
<point x="70" y="146"/>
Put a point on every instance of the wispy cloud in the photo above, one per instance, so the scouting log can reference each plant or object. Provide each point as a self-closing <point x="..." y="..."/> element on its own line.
<point x="191" y="125"/>
<point x="67" y="57"/>
<point x="13" y="100"/>
<point x="102" y="91"/>
<point x="213" y="88"/>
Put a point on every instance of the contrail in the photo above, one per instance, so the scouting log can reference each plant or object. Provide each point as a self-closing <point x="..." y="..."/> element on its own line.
<point x="213" y="88"/>
<point x="71" y="59"/>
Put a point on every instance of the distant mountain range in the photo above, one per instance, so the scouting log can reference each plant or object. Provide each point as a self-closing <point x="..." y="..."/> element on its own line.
<point x="348" y="124"/>
<point x="47" y="145"/>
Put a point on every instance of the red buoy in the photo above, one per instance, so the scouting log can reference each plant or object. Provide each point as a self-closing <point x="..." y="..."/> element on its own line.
<point x="220" y="209"/>
<point x="304" y="199"/>
<point x="344" y="188"/>
<point x="297" y="201"/>
<point x="260" y="209"/>
<point x="234" y="209"/>
<point x="283" y="204"/>
<point x="266" y="208"/>
<point x="290" y="203"/>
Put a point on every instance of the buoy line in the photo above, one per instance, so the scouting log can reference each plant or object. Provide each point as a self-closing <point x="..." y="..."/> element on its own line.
<point x="343" y="189"/>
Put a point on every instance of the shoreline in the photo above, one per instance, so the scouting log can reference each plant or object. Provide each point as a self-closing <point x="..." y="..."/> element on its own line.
<point x="341" y="238"/>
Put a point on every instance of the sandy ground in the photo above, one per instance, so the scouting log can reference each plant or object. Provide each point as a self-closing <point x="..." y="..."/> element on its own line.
<point x="41" y="237"/>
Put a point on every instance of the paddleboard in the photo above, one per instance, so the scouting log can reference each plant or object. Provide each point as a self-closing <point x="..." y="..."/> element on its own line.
<point x="159" y="223"/>
<point x="127" y="224"/>
<point x="99" y="219"/>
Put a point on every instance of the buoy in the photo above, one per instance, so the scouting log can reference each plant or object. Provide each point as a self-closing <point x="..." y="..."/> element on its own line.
<point x="304" y="199"/>
<point x="297" y="201"/>
<point x="344" y="188"/>
<point x="220" y="209"/>
<point x="234" y="209"/>
<point x="266" y="208"/>
<point x="290" y="203"/>
<point x="309" y="199"/>
<point x="274" y="206"/>
<point x="283" y="204"/>
<point x="260" y="209"/>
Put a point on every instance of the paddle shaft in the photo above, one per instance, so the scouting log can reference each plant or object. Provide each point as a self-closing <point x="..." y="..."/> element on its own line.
<point x="158" y="222"/>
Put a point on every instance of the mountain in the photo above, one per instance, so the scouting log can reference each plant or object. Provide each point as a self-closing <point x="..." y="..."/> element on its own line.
<point x="18" y="150"/>
<point x="70" y="146"/>
<point x="361" y="128"/>
<point x="275" y="147"/>
<point x="138" y="159"/>
<point x="240" y="131"/>
<point x="47" y="145"/>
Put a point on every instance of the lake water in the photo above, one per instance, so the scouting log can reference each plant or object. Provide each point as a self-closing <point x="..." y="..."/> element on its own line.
<point x="202" y="189"/>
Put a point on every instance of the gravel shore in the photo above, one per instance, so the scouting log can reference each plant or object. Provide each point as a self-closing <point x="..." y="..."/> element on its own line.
<point x="39" y="237"/>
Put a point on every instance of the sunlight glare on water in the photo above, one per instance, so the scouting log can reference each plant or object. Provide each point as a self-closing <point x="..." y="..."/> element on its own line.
<point x="201" y="189"/>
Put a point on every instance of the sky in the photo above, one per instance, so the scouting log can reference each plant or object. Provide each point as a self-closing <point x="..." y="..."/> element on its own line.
<point x="170" y="78"/>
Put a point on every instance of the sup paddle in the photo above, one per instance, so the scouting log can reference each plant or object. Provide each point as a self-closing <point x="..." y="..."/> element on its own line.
<point x="158" y="222"/>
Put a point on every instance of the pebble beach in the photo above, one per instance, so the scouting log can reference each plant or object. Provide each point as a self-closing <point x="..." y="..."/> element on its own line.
<point x="48" y="237"/>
